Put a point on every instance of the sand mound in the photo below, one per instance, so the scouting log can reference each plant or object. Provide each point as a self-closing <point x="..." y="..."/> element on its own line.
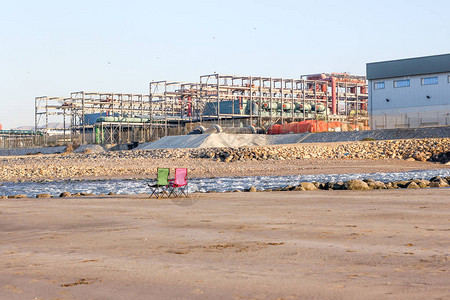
<point x="234" y="140"/>
<point x="89" y="149"/>
<point x="172" y="142"/>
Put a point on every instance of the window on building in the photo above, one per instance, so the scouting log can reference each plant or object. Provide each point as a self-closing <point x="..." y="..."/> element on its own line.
<point x="448" y="78"/>
<point x="379" y="85"/>
<point x="401" y="83"/>
<point x="429" y="80"/>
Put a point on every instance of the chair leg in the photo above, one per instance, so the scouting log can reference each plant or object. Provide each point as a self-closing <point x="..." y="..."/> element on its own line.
<point x="158" y="192"/>
<point x="185" y="190"/>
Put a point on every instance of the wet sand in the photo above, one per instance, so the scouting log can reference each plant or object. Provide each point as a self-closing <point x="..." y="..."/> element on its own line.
<point x="376" y="244"/>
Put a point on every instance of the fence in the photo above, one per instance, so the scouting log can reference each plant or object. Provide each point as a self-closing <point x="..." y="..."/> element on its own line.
<point x="410" y="120"/>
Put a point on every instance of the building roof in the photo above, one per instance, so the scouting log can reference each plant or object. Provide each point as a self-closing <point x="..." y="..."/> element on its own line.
<point x="409" y="67"/>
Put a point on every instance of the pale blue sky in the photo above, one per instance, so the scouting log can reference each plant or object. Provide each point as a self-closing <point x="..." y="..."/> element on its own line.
<point x="53" y="48"/>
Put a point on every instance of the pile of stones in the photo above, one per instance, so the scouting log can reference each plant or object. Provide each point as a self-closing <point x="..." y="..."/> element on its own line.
<point x="436" y="150"/>
<point x="366" y="184"/>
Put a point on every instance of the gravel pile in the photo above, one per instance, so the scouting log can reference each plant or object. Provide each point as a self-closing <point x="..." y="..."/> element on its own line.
<point x="89" y="149"/>
<point x="143" y="163"/>
<point x="437" y="150"/>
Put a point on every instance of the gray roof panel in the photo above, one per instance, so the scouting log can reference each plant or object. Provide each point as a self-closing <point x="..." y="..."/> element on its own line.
<point x="408" y="67"/>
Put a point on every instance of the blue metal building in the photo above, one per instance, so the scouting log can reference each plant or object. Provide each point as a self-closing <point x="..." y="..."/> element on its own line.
<point x="410" y="92"/>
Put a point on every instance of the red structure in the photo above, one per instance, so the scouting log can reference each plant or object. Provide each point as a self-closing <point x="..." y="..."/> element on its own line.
<point x="314" y="126"/>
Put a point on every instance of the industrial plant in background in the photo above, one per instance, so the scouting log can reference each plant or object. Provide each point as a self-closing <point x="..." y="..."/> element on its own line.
<point x="229" y="103"/>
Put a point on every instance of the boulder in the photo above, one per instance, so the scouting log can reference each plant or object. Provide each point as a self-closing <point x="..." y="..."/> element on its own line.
<point x="422" y="183"/>
<point x="439" y="183"/>
<point x="333" y="186"/>
<point x="316" y="184"/>
<point x="356" y="185"/>
<point x="390" y="185"/>
<point x="86" y="194"/>
<point x="65" y="194"/>
<point x="400" y="184"/>
<point x="308" y="186"/>
<point x="376" y="185"/>
<point x="299" y="188"/>
<point x="43" y="196"/>
<point x="412" y="185"/>
<point x="252" y="189"/>
<point x="17" y="196"/>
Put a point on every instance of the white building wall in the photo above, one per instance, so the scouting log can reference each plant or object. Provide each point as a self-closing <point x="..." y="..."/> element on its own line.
<point x="410" y="106"/>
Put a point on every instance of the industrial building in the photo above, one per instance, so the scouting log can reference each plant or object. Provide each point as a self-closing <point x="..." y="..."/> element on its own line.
<point x="230" y="101"/>
<point x="409" y="93"/>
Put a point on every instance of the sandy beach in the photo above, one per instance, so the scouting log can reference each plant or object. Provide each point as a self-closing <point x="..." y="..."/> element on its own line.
<point x="340" y="244"/>
<point x="377" y="244"/>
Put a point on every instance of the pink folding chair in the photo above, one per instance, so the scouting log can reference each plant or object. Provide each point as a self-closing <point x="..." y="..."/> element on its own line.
<point x="179" y="185"/>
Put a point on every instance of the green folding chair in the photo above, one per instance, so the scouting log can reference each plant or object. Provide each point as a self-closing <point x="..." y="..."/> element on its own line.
<point x="160" y="188"/>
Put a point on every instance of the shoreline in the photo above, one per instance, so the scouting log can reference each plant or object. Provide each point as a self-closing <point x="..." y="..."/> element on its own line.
<point x="84" y="168"/>
<point x="416" y="179"/>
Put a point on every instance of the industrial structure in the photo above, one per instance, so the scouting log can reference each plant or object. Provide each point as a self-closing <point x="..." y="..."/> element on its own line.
<point x="411" y="92"/>
<point x="178" y="107"/>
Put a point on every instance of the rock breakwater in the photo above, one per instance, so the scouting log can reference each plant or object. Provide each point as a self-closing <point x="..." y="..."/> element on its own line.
<point x="366" y="184"/>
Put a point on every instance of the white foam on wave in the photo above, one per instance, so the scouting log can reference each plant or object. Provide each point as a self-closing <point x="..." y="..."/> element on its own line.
<point x="218" y="184"/>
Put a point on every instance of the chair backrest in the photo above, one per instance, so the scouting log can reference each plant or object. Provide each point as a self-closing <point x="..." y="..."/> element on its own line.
<point x="180" y="176"/>
<point x="163" y="176"/>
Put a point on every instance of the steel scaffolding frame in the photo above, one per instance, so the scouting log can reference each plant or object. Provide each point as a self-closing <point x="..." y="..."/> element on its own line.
<point x="217" y="98"/>
<point x="51" y="106"/>
<point x="282" y="98"/>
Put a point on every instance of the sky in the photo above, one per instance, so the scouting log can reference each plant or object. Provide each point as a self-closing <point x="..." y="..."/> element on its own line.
<point x="53" y="48"/>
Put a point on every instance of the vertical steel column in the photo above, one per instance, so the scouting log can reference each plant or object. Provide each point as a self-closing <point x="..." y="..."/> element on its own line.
<point x="260" y="101"/>
<point x="345" y="95"/>
<point x="270" y="100"/>
<point x="35" y="119"/>
<point x="357" y="103"/>
<point x="282" y="100"/>
<point x="293" y="105"/>
<point x="315" y="101"/>
<point x="64" y="124"/>
<point x="165" y="109"/>
<point x="333" y="95"/>
<point x="304" y="100"/>
<point x="218" y="99"/>
<point x="326" y="101"/>
<point x="251" y="101"/>
<point x="150" y="111"/>
<point x="46" y="121"/>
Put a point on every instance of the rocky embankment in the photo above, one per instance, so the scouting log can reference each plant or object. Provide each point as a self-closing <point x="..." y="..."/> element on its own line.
<point x="435" y="150"/>
<point x="210" y="161"/>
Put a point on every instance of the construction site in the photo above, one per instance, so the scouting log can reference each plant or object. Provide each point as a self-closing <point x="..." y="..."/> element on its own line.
<point x="222" y="103"/>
